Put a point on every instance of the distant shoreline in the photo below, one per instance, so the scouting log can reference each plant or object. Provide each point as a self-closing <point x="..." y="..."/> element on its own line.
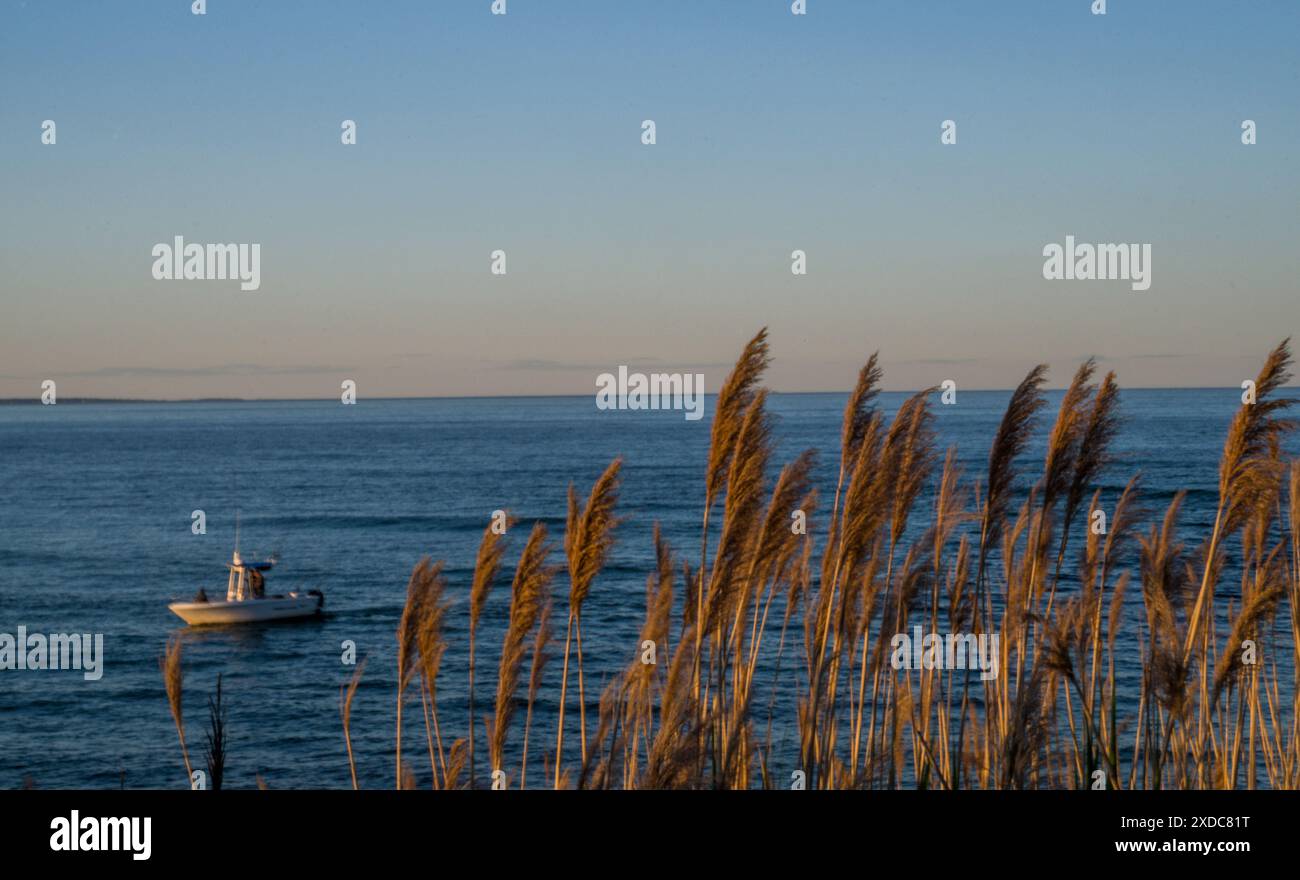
<point x="35" y="401"/>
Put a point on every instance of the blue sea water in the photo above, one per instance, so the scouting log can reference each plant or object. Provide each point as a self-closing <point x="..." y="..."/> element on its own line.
<point x="95" y="536"/>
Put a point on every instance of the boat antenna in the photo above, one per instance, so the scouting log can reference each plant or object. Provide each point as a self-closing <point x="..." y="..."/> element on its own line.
<point x="236" y="529"/>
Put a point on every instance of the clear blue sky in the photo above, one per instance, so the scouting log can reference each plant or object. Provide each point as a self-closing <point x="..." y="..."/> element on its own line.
<point x="522" y="132"/>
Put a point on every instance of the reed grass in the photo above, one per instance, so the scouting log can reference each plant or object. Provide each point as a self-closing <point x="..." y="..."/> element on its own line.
<point x="346" y="695"/>
<point x="1193" y="686"/>
<point x="529" y="596"/>
<point x="588" y="537"/>
<point x="423" y="595"/>
<point x="174" y="681"/>
<point x="486" y="566"/>
<point x="215" y="739"/>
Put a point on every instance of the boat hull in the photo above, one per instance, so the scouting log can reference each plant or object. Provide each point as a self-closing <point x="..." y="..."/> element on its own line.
<point x="248" y="611"/>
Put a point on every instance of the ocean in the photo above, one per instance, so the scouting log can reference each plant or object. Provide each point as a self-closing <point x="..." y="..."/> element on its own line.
<point x="96" y="504"/>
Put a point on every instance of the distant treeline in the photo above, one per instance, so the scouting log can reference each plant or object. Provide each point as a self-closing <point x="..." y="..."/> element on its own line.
<point x="16" y="401"/>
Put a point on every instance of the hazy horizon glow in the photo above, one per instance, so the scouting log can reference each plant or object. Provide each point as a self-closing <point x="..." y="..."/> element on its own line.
<point x="522" y="132"/>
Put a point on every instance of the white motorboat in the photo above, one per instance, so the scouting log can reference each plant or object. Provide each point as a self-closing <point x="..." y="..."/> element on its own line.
<point x="247" y="601"/>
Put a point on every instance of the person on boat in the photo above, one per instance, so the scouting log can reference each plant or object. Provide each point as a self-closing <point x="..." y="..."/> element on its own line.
<point x="256" y="584"/>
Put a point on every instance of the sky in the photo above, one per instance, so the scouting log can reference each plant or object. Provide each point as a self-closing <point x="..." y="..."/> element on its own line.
<point x="523" y="133"/>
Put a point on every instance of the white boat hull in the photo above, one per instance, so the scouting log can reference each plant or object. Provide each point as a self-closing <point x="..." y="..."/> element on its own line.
<point x="247" y="611"/>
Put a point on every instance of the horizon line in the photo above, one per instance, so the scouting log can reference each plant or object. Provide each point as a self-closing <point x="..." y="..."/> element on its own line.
<point x="18" y="401"/>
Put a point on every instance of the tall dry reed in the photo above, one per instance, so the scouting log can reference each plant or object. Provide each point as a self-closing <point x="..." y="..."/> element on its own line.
<point x="1082" y="590"/>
